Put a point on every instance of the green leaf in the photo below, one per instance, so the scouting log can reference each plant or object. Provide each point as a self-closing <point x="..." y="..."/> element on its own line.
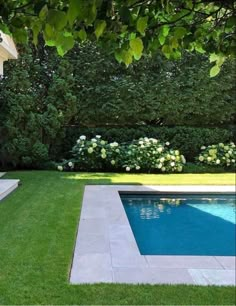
<point x="36" y="28"/>
<point x="166" y="51"/>
<point x="142" y="24"/>
<point x="118" y="55"/>
<point x="20" y="36"/>
<point x="126" y="57"/>
<point x="180" y="32"/>
<point x="213" y="57"/>
<point x="43" y="13"/>
<point x="174" y="43"/>
<point x="214" y="71"/>
<point x="48" y="32"/>
<point x="57" y="19"/>
<point x="91" y="11"/>
<point x="66" y="43"/>
<point x="73" y="11"/>
<point x="165" y="30"/>
<point x="82" y="34"/>
<point x="100" y="27"/>
<point x="136" y="46"/>
<point x="161" y="39"/>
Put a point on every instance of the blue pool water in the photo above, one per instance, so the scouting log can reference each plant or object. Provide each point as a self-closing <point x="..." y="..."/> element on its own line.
<point x="182" y="224"/>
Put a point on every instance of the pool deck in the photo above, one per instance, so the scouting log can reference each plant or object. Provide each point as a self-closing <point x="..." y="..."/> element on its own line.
<point x="7" y="186"/>
<point x="106" y="250"/>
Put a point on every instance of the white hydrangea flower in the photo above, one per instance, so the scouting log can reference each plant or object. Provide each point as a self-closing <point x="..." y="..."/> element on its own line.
<point x="127" y="169"/>
<point x="103" y="142"/>
<point x="203" y="147"/>
<point x="201" y="158"/>
<point x="70" y="164"/>
<point x="172" y="164"/>
<point x="154" y="140"/>
<point x="159" y="166"/>
<point x="90" y="150"/>
<point x="78" y="141"/>
<point x="167" y="143"/>
<point x="176" y="152"/>
<point x="117" y="151"/>
<point x="173" y="157"/>
<point x="137" y="167"/>
<point x="160" y="149"/>
<point x="183" y="159"/>
<point x="162" y="159"/>
<point x="233" y="161"/>
<point x="217" y="161"/>
<point x="103" y="156"/>
<point x="209" y="158"/>
<point x="140" y="142"/>
<point x="98" y="136"/>
<point x="103" y="150"/>
<point x="163" y="169"/>
<point x="60" y="168"/>
<point x="113" y="162"/>
<point x="82" y="137"/>
<point x="94" y="140"/>
<point x="180" y="168"/>
<point x="94" y="144"/>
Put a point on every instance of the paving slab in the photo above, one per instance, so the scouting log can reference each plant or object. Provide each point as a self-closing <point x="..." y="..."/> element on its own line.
<point x="7" y="186"/>
<point x="92" y="268"/>
<point x="228" y="262"/>
<point x="185" y="262"/>
<point x="213" y="277"/>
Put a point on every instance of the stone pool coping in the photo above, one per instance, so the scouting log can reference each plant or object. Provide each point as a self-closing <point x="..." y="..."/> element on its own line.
<point x="106" y="250"/>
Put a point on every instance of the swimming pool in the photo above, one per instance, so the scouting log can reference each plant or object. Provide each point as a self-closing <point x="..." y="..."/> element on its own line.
<point x="178" y="224"/>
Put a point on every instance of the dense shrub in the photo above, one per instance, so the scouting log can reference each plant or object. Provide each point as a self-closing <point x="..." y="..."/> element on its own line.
<point x="218" y="155"/>
<point x="187" y="139"/>
<point x="148" y="154"/>
<point x="95" y="154"/>
<point x="144" y="154"/>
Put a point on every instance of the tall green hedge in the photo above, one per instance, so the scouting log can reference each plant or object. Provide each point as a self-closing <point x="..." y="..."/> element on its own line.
<point x="41" y="93"/>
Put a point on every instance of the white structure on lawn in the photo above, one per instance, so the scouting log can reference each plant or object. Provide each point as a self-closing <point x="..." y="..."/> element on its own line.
<point x="7" y="50"/>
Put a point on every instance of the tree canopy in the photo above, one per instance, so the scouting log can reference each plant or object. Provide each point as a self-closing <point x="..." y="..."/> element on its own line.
<point x="128" y="28"/>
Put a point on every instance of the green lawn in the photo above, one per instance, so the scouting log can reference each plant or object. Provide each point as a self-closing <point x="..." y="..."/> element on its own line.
<point x="38" y="224"/>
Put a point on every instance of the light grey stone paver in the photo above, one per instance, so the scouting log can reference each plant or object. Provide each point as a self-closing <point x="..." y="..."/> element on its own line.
<point x="96" y="226"/>
<point x="132" y="275"/>
<point x="2" y="174"/>
<point x="89" y="244"/>
<point x="152" y="276"/>
<point x="171" y="276"/>
<point x="213" y="277"/>
<point x="106" y="250"/>
<point x="123" y="256"/>
<point x="7" y="186"/>
<point x="185" y="262"/>
<point x="228" y="262"/>
<point x="92" y="268"/>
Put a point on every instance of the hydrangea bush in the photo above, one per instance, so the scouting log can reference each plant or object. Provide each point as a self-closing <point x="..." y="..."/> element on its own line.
<point x="93" y="154"/>
<point x="149" y="154"/>
<point x="144" y="154"/>
<point x="223" y="155"/>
